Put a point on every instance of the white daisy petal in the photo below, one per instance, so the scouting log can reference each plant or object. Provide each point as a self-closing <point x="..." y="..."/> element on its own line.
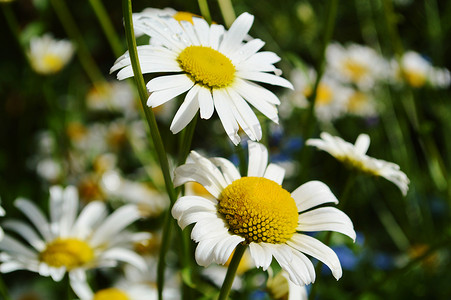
<point x="10" y="244"/>
<point x="246" y="51"/>
<point x="28" y="233"/>
<point x="205" y="250"/>
<point x="326" y="219"/>
<point x="216" y="33"/>
<point x="268" y="109"/>
<point x="228" y="169"/>
<point x="362" y="143"/>
<point x="235" y="35"/>
<point x="293" y="263"/>
<point x="265" y="77"/>
<point x="160" y="97"/>
<point x="226" y="115"/>
<point x="188" y="173"/>
<point x="245" y="116"/>
<point x="311" y="194"/>
<point x="184" y="114"/>
<point x="92" y="213"/>
<point x="202" y="31"/>
<point x="186" y="202"/>
<point x="275" y="173"/>
<point x="35" y="216"/>
<point x="125" y="255"/>
<point x="261" y="256"/>
<point x="225" y="247"/>
<point x="205" y="102"/>
<point x="258" y="159"/>
<point x="117" y="221"/>
<point x="318" y="250"/>
<point x="167" y="82"/>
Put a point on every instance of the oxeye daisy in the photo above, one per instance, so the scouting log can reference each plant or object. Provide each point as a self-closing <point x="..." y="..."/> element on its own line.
<point x="67" y="243"/>
<point x="356" y="64"/>
<point x="214" y="66"/>
<point x="355" y="156"/>
<point x="257" y="212"/>
<point x="48" y="55"/>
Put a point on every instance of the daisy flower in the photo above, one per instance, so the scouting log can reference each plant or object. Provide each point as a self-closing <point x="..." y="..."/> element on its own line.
<point x="356" y="64"/>
<point x="355" y="156"/>
<point x="48" y="55"/>
<point x="256" y="211"/>
<point x="416" y="71"/>
<point x="331" y="96"/>
<point x="214" y="67"/>
<point x="67" y="243"/>
<point x="361" y="104"/>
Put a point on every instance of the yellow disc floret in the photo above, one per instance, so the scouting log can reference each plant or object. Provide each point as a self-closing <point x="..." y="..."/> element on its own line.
<point x="185" y="16"/>
<point x="355" y="70"/>
<point x="207" y="66"/>
<point x="259" y="210"/>
<point x="110" y="294"/>
<point x="69" y="253"/>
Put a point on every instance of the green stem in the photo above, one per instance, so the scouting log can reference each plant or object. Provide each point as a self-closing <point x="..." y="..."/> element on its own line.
<point x="391" y="19"/>
<point x="86" y="60"/>
<point x="204" y="10"/>
<point x="227" y="11"/>
<point x="231" y="271"/>
<point x="311" y="123"/>
<point x="107" y="27"/>
<point x="158" y="143"/>
<point x="4" y="290"/>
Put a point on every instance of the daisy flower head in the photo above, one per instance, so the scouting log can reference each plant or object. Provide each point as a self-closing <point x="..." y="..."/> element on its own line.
<point x="256" y="211"/>
<point x="416" y="71"/>
<point x="355" y="156"/>
<point x="68" y="243"/>
<point x="356" y="64"/>
<point x="214" y="66"/>
<point x="48" y="55"/>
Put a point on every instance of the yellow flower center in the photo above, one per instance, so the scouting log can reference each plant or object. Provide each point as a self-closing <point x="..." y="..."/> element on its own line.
<point x="323" y="95"/>
<point x="69" y="253"/>
<point x="355" y="69"/>
<point x="110" y="294"/>
<point x="357" y="101"/>
<point x="207" y="66"/>
<point x="259" y="210"/>
<point x="53" y="63"/>
<point x="415" y="79"/>
<point x="185" y="16"/>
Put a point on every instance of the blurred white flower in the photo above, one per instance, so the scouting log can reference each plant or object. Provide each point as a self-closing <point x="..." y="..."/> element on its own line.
<point x="67" y="242"/>
<point x="416" y="71"/>
<point x="356" y="64"/>
<point x="361" y="104"/>
<point x="116" y="96"/>
<point x="48" y="55"/>
<point x="355" y="156"/>
<point x="331" y="99"/>
<point x="148" y="200"/>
